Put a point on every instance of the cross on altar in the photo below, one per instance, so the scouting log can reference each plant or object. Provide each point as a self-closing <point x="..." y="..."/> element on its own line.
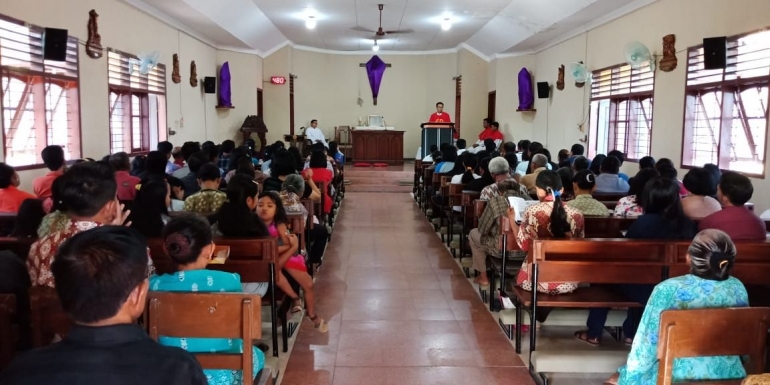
<point x="364" y="65"/>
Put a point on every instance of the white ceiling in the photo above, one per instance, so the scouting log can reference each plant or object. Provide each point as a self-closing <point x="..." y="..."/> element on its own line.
<point x="488" y="26"/>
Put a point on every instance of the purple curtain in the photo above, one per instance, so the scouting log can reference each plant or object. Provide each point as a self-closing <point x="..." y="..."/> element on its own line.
<point x="225" y="95"/>
<point x="526" y="92"/>
<point x="375" y="68"/>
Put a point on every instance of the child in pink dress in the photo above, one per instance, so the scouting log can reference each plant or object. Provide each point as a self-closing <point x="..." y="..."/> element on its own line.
<point x="270" y="210"/>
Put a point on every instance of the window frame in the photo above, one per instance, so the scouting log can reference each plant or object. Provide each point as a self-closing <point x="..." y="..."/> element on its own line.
<point x="126" y="93"/>
<point x="615" y="99"/>
<point x="724" y="87"/>
<point x="74" y="147"/>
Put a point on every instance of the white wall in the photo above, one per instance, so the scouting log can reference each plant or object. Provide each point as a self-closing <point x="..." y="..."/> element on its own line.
<point x="556" y="122"/>
<point x="128" y="29"/>
<point x="328" y="86"/>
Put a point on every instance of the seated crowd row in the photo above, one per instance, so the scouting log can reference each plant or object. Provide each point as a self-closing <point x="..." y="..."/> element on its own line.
<point x="664" y="207"/>
<point x="95" y="215"/>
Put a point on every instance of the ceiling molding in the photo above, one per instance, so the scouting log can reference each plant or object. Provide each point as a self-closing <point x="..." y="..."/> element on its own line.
<point x="598" y="22"/>
<point x="370" y="52"/>
<point x="276" y="48"/>
<point x="513" y="54"/>
<point x="240" y="50"/>
<point x="474" y="51"/>
<point x="170" y="21"/>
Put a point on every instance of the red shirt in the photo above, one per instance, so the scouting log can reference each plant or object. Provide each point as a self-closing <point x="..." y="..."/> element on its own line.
<point x="126" y="185"/>
<point x="11" y="198"/>
<point x="42" y="185"/>
<point x="325" y="176"/>
<point x="491" y="133"/>
<point x="440" y="118"/>
<point x="738" y="222"/>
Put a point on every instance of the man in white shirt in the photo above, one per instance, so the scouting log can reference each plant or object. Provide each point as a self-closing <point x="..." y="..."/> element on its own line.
<point x="314" y="134"/>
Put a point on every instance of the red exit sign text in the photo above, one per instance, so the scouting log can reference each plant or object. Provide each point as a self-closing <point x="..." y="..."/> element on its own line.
<point x="278" y="80"/>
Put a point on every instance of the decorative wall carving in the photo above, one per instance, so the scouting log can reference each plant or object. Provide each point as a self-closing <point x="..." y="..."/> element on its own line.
<point x="669" y="61"/>
<point x="175" y="76"/>
<point x="94" y="48"/>
<point x="193" y="74"/>
<point x="560" y="79"/>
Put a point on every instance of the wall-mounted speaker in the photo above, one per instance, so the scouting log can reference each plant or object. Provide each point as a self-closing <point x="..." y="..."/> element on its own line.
<point x="210" y="85"/>
<point x="543" y="90"/>
<point x="714" y="53"/>
<point x="55" y="44"/>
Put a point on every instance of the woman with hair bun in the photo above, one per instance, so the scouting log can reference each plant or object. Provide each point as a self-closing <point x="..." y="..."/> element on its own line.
<point x="711" y="256"/>
<point x="583" y="184"/>
<point x="189" y="243"/>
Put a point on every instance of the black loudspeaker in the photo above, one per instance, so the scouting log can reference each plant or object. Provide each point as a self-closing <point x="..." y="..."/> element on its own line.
<point x="55" y="44"/>
<point x="543" y="90"/>
<point x="210" y="85"/>
<point x="714" y="53"/>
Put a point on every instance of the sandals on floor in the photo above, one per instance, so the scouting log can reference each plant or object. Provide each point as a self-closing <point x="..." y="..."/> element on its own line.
<point x="296" y="308"/>
<point x="319" y="323"/>
<point x="583" y="336"/>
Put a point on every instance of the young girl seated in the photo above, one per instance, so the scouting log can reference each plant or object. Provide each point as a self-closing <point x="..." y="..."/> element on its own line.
<point x="188" y="242"/>
<point x="149" y="210"/>
<point x="584" y="183"/>
<point x="236" y="219"/>
<point x="550" y="218"/>
<point x="270" y="210"/>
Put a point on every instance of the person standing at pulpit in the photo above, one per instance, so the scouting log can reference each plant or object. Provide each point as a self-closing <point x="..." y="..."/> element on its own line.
<point x="314" y="134"/>
<point x="491" y="131"/>
<point x="440" y="116"/>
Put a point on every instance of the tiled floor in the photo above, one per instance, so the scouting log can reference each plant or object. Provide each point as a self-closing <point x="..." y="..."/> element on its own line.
<point x="399" y="309"/>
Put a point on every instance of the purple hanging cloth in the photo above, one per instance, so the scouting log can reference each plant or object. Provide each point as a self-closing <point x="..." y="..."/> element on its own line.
<point x="375" y="68"/>
<point x="225" y="93"/>
<point x="526" y="92"/>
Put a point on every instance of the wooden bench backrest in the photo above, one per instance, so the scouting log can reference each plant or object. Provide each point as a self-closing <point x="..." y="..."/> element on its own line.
<point x="7" y="314"/>
<point x="600" y="260"/>
<point x="455" y="194"/>
<point x="606" y="227"/>
<point x="752" y="262"/>
<point x="253" y="250"/>
<point x="608" y="196"/>
<point x="209" y="315"/>
<point x="712" y="332"/>
<point x="47" y="316"/>
<point x="19" y="246"/>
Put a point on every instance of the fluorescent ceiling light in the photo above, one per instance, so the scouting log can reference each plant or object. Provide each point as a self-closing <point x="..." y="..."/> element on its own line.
<point x="310" y="23"/>
<point x="446" y="24"/>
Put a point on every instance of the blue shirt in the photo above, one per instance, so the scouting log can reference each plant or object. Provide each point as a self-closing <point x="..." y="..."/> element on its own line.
<point x="611" y="183"/>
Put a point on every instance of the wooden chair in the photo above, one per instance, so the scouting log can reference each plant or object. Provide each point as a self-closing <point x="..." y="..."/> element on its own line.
<point x="427" y="180"/>
<point x="454" y="198"/>
<point x="48" y="318"/>
<point x="342" y="137"/>
<point x="319" y="206"/>
<point x="209" y="315"/>
<point x="417" y="174"/>
<point x="691" y="333"/>
<point x="7" y="340"/>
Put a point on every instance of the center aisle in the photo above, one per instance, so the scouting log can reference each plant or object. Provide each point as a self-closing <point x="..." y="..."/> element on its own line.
<point x="400" y="310"/>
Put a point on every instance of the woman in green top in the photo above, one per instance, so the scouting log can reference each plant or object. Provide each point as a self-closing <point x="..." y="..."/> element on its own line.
<point x="584" y="184"/>
<point x="188" y="241"/>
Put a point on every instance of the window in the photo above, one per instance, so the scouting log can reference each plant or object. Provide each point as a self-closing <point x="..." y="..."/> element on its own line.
<point x="137" y="104"/>
<point x="621" y="111"/>
<point x="38" y="98"/>
<point x="725" y="119"/>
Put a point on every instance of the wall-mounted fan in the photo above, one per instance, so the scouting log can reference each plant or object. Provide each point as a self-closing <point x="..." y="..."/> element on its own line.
<point x="380" y="33"/>
<point x="146" y="62"/>
<point x="638" y="55"/>
<point x="580" y="73"/>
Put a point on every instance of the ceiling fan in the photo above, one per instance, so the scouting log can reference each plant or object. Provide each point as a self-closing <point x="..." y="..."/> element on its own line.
<point x="380" y="33"/>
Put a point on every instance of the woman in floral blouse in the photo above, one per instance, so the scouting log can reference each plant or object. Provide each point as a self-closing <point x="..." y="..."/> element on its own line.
<point x="709" y="285"/>
<point x="630" y="206"/>
<point x="550" y="218"/>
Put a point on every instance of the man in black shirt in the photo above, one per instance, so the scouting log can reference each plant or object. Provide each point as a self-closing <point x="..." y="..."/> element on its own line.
<point x="101" y="279"/>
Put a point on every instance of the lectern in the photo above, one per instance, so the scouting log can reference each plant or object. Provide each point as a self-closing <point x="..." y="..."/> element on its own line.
<point x="435" y="133"/>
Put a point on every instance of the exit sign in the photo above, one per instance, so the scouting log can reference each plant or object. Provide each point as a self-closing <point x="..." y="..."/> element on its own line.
<point x="278" y="80"/>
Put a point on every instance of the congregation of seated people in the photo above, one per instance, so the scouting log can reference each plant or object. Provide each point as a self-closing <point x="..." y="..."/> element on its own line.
<point x="90" y="222"/>
<point x="706" y="207"/>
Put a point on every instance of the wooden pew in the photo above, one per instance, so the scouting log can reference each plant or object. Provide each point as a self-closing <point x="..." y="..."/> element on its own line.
<point x="454" y="198"/>
<point x="19" y="246"/>
<point x="592" y="261"/>
<point x="47" y="316"/>
<point x="427" y="178"/>
<point x="254" y="260"/>
<point x="606" y="227"/>
<point x="235" y="315"/>
<point x="416" y="178"/>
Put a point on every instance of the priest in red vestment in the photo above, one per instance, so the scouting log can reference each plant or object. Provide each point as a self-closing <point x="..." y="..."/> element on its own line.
<point x="491" y="131"/>
<point x="442" y="117"/>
